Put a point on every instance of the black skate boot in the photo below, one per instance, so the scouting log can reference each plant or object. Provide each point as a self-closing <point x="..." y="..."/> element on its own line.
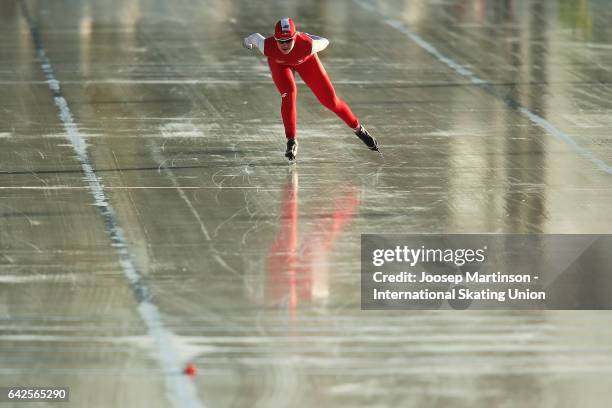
<point x="291" y="149"/>
<point x="366" y="138"/>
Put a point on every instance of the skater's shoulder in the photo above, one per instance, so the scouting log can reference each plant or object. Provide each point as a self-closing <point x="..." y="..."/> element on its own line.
<point x="270" y="48"/>
<point x="304" y="39"/>
<point x="269" y="41"/>
<point x="303" y="43"/>
<point x="304" y="36"/>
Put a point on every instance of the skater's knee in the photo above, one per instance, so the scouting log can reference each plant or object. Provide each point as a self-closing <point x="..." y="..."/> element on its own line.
<point x="289" y="92"/>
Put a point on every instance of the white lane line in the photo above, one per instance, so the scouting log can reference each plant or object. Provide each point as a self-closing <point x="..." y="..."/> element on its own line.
<point x="487" y="86"/>
<point x="179" y="388"/>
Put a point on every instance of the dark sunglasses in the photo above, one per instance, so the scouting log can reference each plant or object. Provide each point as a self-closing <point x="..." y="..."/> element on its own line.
<point x="285" y="40"/>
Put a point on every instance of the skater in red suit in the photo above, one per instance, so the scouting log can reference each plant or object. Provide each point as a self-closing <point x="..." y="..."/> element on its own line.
<point x="289" y="51"/>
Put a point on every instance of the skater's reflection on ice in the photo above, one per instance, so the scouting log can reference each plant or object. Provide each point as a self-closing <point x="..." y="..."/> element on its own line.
<point x="297" y="265"/>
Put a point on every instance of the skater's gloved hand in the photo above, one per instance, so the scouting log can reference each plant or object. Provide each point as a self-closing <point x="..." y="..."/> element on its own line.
<point x="254" y="40"/>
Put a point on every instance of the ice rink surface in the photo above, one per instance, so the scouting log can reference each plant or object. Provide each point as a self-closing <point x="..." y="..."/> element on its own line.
<point x="148" y="218"/>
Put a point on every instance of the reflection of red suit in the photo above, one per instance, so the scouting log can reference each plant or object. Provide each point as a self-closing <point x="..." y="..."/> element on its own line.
<point x="291" y="274"/>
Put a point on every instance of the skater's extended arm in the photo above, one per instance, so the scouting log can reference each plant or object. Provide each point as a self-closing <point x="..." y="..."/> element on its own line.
<point x="318" y="43"/>
<point x="254" y="40"/>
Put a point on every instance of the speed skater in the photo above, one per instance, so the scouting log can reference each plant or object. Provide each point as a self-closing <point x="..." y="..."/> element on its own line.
<point x="289" y="51"/>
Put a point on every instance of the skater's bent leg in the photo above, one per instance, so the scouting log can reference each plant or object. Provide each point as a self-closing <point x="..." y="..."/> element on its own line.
<point x="314" y="75"/>
<point x="285" y="83"/>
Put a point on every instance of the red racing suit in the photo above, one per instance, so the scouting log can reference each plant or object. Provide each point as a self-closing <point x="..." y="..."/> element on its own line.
<point x="307" y="64"/>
